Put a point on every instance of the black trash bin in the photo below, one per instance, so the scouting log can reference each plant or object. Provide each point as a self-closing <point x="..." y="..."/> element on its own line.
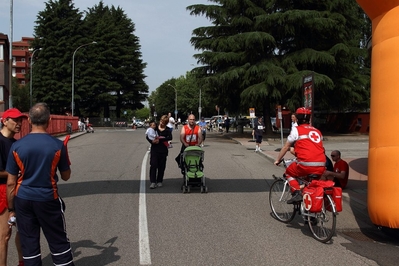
<point x="69" y="127"/>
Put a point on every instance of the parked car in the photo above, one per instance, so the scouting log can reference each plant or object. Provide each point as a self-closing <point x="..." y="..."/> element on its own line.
<point x="139" y="123"/>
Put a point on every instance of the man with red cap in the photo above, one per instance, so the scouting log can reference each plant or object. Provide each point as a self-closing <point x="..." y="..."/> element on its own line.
<point x="309" y="152"/>
<point x="11" y="121"/>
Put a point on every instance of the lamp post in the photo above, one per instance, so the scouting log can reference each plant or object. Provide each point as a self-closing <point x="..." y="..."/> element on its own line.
<point x="175" y="102"/>
<point x="31" y="74"/>
<point x="73" y="74"/>
<point x="10" y="66"/>
<point x="199" y="107"/>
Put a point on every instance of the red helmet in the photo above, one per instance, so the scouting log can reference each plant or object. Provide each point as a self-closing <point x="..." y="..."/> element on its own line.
<point x="303" y="111"/>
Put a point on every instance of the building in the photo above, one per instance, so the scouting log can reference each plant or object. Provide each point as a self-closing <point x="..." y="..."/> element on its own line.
<point x="4" y="71"/>
<point x="21" y="55"/>
<point x="21" y="60"/>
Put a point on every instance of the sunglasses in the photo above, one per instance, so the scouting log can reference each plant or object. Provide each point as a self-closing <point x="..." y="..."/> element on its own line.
<point x="333" y="155"/>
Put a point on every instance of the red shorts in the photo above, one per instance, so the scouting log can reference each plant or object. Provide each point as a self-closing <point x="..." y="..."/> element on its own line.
<point x="298" y="170"/>
<point x="3" y="197"/>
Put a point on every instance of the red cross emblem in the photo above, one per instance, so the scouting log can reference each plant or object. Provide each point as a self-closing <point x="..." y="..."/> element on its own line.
<point x="307" y="200"/>
<point x="314" y="136"/>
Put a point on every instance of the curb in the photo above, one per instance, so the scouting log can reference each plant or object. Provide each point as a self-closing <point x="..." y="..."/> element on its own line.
<point x="73" y="135"/>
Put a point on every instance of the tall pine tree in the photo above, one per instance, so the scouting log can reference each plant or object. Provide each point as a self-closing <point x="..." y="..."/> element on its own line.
<point x="261" y="50"/>
<point x="57" y="32"/>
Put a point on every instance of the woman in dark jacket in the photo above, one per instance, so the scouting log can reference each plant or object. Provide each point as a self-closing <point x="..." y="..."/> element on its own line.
<point x="159" y="152"/>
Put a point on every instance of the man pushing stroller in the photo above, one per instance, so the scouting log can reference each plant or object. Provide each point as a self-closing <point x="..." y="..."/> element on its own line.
<point x="190" y="158"/>
<point x="190" y="135"/>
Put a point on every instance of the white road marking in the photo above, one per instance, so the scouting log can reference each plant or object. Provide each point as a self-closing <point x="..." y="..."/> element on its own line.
<point x="144" y="243"/>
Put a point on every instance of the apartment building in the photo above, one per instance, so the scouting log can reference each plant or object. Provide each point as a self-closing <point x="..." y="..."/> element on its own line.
<point x="21" y="59"/>
<point x="4" y="71"/>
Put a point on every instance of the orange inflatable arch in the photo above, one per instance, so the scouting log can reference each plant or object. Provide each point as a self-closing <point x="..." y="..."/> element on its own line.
<point x="383" y="169"/>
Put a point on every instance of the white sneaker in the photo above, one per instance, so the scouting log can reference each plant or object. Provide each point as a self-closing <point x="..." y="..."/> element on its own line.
<point x="159" y="184"/>
<point x="153" y="185"/>
<point x="259" y="149"/>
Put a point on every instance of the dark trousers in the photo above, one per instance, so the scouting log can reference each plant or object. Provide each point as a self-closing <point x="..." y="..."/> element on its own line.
<point x="157" y="167"/>
<point x="48" y="215"/>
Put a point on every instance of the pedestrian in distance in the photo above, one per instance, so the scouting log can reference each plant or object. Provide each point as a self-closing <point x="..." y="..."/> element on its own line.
<point x="11" y="121"/>
<point x="34" y="200"/>
<point x="294" y="121"/>
<point x="171" y="122"/>
<point x="309" y="151"/>
<point x="257" y="132"/>
<point x="227" y="124"/>
<point x="340" y="172"/>
<point x="159" y="152"/>
<point x="202" y="124"/>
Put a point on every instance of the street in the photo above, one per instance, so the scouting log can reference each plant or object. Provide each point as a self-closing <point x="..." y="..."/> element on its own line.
<point x="113" y="218"/>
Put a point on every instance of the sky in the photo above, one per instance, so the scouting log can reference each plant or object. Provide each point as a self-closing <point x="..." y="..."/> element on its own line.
<point x="164" y="29"/>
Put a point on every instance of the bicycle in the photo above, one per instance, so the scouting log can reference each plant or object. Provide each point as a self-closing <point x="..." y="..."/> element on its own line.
<point x="322" y="224"/>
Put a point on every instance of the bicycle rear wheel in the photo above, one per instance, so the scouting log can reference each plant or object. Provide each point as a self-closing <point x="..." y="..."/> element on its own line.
<point x="323" y="224"/>
<point x="278" y="196"/>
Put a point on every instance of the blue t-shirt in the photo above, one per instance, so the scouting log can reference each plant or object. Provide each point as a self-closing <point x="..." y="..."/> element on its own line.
<point x="202" y="124"/>
<point x="37" y="156"/>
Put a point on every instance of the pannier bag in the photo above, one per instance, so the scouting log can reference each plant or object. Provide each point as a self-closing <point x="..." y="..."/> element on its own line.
<point x="337" y="198"/>
<point x="313" y="198"/>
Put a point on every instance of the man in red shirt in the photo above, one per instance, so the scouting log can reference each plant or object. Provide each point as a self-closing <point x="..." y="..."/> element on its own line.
<point x="341" y="171"/>
<point x="190" y="133"/>
<point x="309" y="151"/>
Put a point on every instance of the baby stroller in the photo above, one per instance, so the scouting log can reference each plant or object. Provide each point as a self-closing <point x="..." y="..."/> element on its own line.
<point x="89" y="128"/>
<point x="192" y="169"/>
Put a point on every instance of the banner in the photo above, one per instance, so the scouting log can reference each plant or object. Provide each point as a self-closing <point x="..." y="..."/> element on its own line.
<point x="308" y="92"/>
<point x="252" y="112"/>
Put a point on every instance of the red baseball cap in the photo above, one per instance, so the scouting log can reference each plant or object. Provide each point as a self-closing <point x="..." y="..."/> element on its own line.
<point x="303" y="111"/>
<point x="12" y="113"/>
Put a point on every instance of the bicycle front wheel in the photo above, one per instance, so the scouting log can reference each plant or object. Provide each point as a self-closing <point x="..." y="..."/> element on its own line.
<point x="324" y="223"/>
<point x="278" y="196"/>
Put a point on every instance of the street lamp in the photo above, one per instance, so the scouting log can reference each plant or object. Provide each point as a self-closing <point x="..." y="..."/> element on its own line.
<point x="73" y="73"/>
<point x="199" y="107"/>
<point x="10" y="66"/>
<point x="175" y="102"/>
<point x="31" y="74"/>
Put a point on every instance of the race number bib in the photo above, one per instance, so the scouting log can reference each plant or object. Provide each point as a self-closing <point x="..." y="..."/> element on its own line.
<point x="260" y="127"/>
<point x="193" y="138"/>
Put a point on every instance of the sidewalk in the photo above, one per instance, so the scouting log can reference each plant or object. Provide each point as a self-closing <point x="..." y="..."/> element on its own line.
<point x="357" y="184"/>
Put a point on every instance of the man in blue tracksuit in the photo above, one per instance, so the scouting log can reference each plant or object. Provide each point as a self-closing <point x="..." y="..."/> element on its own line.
<point x="32" y="191"/>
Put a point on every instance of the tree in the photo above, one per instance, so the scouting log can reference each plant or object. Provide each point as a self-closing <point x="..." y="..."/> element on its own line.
<point x="238" y="55"/>
<point x="324" y="38"/>
<point x="116" y="77"/>
<point x="20" y="96"/>
<point x="109" y="73"/>
<point x="261" y="50"/>
<point x="58" y="32"/>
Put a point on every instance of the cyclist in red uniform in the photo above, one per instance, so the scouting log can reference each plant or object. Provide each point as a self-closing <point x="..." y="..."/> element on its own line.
<point x="309" y="152"/>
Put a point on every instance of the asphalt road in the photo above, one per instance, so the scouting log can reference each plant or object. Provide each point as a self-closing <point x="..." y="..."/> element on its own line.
<point x="114" y="219"/>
